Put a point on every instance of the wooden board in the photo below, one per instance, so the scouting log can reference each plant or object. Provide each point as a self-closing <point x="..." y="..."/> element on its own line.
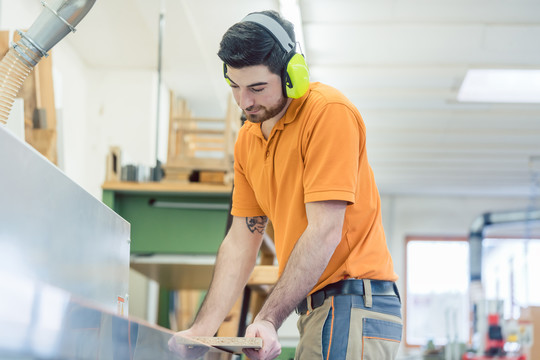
<point x="37" y="92"/>
<point x="231" y="344"/>
<point x="114" y="164"/>
<point x="212" y="177"/>
<point x="535" y="315"/>
<point x="165" y="187"/>
<point x="4" y="43"/>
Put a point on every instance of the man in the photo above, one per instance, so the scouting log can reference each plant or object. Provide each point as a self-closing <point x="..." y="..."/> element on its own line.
<point x="301" y="162"/>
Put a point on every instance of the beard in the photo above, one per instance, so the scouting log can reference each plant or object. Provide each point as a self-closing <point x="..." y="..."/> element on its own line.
<point x="264" y="113"/>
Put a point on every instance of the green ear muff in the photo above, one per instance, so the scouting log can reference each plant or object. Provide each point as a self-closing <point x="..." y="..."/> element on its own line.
<point x="297" y="78"/>
<point x="225" y="74"/>
<point x="295" y="73"/>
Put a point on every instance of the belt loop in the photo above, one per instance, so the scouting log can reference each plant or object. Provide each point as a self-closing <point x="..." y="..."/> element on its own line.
<point x="368" y="300"/>
<point x="397" y="292"/>
<point x="309" y="304"/>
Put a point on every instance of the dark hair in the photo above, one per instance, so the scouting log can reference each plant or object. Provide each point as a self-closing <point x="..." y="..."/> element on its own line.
<point x="249" y="44"/>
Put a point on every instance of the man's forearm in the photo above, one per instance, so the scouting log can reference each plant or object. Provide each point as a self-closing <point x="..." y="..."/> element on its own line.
<point x="298" y="278"/>
<point x="234" y="264"/>
<point x="304" y="267"/>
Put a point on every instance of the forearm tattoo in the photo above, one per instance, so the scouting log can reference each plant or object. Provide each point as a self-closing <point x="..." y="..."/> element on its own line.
<point x="257" y="223"/>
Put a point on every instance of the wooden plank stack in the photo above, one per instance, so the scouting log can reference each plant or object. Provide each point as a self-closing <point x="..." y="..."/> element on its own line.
<point x="201" y="145"/>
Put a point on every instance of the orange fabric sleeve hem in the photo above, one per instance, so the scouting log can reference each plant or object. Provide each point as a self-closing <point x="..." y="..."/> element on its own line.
<point x="329" y="195"/>
<point x="247" y="212"/>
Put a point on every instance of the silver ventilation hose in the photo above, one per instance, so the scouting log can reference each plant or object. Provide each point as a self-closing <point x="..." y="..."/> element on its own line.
<point x="57" y="19"/>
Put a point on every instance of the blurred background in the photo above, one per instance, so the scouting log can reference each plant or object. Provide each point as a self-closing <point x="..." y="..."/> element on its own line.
<point x="449" y="92"/>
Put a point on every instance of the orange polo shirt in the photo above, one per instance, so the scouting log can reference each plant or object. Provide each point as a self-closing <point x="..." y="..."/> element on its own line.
<point x="316" y="152"/>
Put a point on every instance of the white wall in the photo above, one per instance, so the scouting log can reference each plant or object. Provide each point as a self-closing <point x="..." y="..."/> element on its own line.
<point x="97" y="108"/>
<point x="70" y="77"/>
<point x="18" y="14"/>
<point x="121" y="112"/>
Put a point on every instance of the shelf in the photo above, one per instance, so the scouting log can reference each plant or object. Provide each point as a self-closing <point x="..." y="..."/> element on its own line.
<point x="166" y="187"/>
<point x="194" y="272"/>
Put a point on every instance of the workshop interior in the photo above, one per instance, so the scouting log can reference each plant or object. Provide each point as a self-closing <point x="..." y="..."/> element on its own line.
<point x="117" y="137"/>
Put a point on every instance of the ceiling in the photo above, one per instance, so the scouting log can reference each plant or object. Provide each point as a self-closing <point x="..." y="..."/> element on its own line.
<point x="401" y="62"/>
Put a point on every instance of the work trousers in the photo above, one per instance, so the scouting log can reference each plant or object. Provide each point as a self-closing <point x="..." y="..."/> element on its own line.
<point x="351" y="327"/>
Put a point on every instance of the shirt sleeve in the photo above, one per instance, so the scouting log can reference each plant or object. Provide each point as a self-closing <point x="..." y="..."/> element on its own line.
<point x="332" y="144"/>
<point x="244" y="202"/>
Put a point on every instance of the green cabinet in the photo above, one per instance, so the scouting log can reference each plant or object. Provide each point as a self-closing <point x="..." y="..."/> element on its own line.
<point x="171" y="218"/>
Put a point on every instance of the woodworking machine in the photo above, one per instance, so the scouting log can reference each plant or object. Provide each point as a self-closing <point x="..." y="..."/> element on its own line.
<point x="64" y="255"/>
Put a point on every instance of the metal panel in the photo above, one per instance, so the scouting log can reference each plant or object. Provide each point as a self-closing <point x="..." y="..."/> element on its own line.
<point x="39" y="321"/>
<point x="54" y="232"/>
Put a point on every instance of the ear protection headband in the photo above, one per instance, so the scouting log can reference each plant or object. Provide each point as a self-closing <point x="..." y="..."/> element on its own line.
<point x="295" y="73"/>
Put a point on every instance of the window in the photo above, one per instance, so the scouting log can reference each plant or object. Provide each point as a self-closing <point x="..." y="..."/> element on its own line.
<point x="510" y="270"/>
<point x="437" y="282"/>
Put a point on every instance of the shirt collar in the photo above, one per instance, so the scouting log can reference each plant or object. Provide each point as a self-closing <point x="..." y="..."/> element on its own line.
<point x="292" y="111"/>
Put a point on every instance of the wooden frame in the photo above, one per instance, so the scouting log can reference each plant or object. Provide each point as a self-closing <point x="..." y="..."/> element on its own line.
<point x="190" y="136"/>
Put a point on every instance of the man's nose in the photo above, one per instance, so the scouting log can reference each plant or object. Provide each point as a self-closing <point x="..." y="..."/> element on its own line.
<point x="246" y="99"/>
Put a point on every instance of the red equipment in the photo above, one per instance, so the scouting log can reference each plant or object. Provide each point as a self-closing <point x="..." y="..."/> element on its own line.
<point x="494" y="344"/>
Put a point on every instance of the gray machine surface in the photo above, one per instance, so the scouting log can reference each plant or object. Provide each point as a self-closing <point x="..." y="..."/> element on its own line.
<point x="64" y="270"/>
<point x="38" y="321"/>
<point x="53" y="231"/>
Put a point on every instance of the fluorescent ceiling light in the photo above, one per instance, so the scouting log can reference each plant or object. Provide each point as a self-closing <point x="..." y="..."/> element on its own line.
<point x="502" y="86"/>
<point x="290" y="10"/>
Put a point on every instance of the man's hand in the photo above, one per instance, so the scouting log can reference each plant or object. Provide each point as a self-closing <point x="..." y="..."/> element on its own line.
<point x="271" y="347"/>
<point x="181" y="346"/>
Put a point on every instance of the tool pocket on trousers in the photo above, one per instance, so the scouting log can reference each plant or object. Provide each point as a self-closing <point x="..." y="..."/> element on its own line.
<point x="380" y="339"/>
